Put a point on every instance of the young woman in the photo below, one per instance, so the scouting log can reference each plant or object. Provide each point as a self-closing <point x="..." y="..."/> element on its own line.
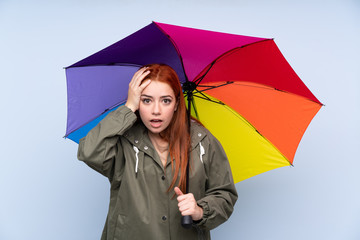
<point x="143" y="147"/>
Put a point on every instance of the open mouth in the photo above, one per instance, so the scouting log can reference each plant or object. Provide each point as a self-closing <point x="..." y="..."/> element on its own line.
<point x="156" y="122"/>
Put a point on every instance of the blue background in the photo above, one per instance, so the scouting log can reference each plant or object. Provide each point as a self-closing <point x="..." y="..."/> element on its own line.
<point x="46" y="193"/>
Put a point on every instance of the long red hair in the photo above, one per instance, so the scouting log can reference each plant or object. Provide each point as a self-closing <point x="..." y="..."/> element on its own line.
<point x="176" y="134"/>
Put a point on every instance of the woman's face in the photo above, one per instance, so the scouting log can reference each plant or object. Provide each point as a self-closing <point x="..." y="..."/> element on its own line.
<point x="157" y="106"/>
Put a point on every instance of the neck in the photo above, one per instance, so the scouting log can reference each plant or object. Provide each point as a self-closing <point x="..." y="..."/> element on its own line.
<point x="159" y="143"/>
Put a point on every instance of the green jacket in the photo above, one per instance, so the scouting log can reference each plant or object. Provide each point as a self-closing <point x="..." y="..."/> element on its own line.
<point x="140" y="206"/>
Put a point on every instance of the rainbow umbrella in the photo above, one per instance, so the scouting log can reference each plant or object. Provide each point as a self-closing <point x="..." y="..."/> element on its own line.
<point x="241" y="88"/>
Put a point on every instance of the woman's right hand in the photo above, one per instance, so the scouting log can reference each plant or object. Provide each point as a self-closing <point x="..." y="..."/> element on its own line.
<point x="136" y="88"/>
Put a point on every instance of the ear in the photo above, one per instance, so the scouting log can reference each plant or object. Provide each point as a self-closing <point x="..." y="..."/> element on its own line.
<point x="176" y="106"/>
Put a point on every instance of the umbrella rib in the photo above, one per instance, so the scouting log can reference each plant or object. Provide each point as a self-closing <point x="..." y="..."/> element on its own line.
<point x="176" y="48"/>
<point x="197" y="81"/>
<point x="254" y="128"/>
<point x="268" y="87"/>
<point x="208" y="87"/>
<point x="194" y="107"/>
<point x="203" y="96"/>
<point x="258" y="86"/>
<point x="92" y="119"/>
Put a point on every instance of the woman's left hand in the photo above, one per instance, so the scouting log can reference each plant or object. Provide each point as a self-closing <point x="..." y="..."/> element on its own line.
<point x="187" y="205"/>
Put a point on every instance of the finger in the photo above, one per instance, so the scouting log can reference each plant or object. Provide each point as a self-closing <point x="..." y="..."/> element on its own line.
<point x="140" y="80"/>
<point x="187" y="209"/>
<point x="137" y="76"/>
<point x="186" y="213"/>
<point x="184" y="206"/>
<point x="185" y="199"/>
<point x="142" y="72"/>
<point x="178" y="191"/>
<point x="144" y="85"/>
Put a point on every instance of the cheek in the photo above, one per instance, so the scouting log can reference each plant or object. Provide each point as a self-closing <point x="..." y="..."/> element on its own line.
<point x="170" y="113"/>
<point x="143" y="111"/>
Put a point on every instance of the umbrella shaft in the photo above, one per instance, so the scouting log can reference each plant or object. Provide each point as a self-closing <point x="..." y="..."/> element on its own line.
<point x="189" y="99"/>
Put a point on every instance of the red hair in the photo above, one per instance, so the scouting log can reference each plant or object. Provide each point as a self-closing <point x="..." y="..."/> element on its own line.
<point x="176" y="134"/>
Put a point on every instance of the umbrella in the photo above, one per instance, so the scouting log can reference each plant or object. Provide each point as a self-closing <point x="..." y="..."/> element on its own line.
<point x="241" y="88"/>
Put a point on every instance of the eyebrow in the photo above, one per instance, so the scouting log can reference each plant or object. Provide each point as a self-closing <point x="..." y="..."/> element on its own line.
<point x="148" y="96"/>
<point x="144" y="95"/>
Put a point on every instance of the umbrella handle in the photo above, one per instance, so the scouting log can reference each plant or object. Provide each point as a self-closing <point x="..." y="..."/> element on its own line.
<point x="186" y="221"/>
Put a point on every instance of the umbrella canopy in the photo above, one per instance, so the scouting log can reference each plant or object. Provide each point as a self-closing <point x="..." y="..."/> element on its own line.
<point x="243" y="90"/>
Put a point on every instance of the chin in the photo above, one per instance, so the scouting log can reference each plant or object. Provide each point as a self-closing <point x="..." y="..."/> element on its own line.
<point x="156" y="131"/>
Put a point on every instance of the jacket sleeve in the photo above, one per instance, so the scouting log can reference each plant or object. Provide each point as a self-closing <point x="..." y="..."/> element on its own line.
<point x="221" y="194"/>
<point x="100" y="146"/>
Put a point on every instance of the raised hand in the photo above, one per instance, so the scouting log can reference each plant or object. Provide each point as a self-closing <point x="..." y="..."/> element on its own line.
<point x="136" y="88"/>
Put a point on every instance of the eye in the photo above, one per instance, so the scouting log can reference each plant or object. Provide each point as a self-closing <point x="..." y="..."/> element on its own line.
<point x="166" y="100"/>
<point x="146" y="100"/>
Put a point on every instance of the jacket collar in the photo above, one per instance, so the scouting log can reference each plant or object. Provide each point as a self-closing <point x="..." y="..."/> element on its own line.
<point x="197" y="134"/>
<point x="137" y="136"/>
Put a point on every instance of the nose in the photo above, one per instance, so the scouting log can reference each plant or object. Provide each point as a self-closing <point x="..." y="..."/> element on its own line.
<point x="156" y="109"/>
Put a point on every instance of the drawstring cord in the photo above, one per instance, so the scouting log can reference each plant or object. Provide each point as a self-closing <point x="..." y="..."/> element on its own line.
<point x="202" y="152"/>
<point x="137" y="158"/>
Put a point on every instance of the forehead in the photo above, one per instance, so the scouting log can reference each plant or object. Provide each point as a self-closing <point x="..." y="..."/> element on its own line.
<point x="156" y="88"/>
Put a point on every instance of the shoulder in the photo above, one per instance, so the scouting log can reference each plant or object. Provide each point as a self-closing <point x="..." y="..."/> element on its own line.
<point x="197" y="129"/>
<point x="199" y="133"/>
<point x="136" y="132"/>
